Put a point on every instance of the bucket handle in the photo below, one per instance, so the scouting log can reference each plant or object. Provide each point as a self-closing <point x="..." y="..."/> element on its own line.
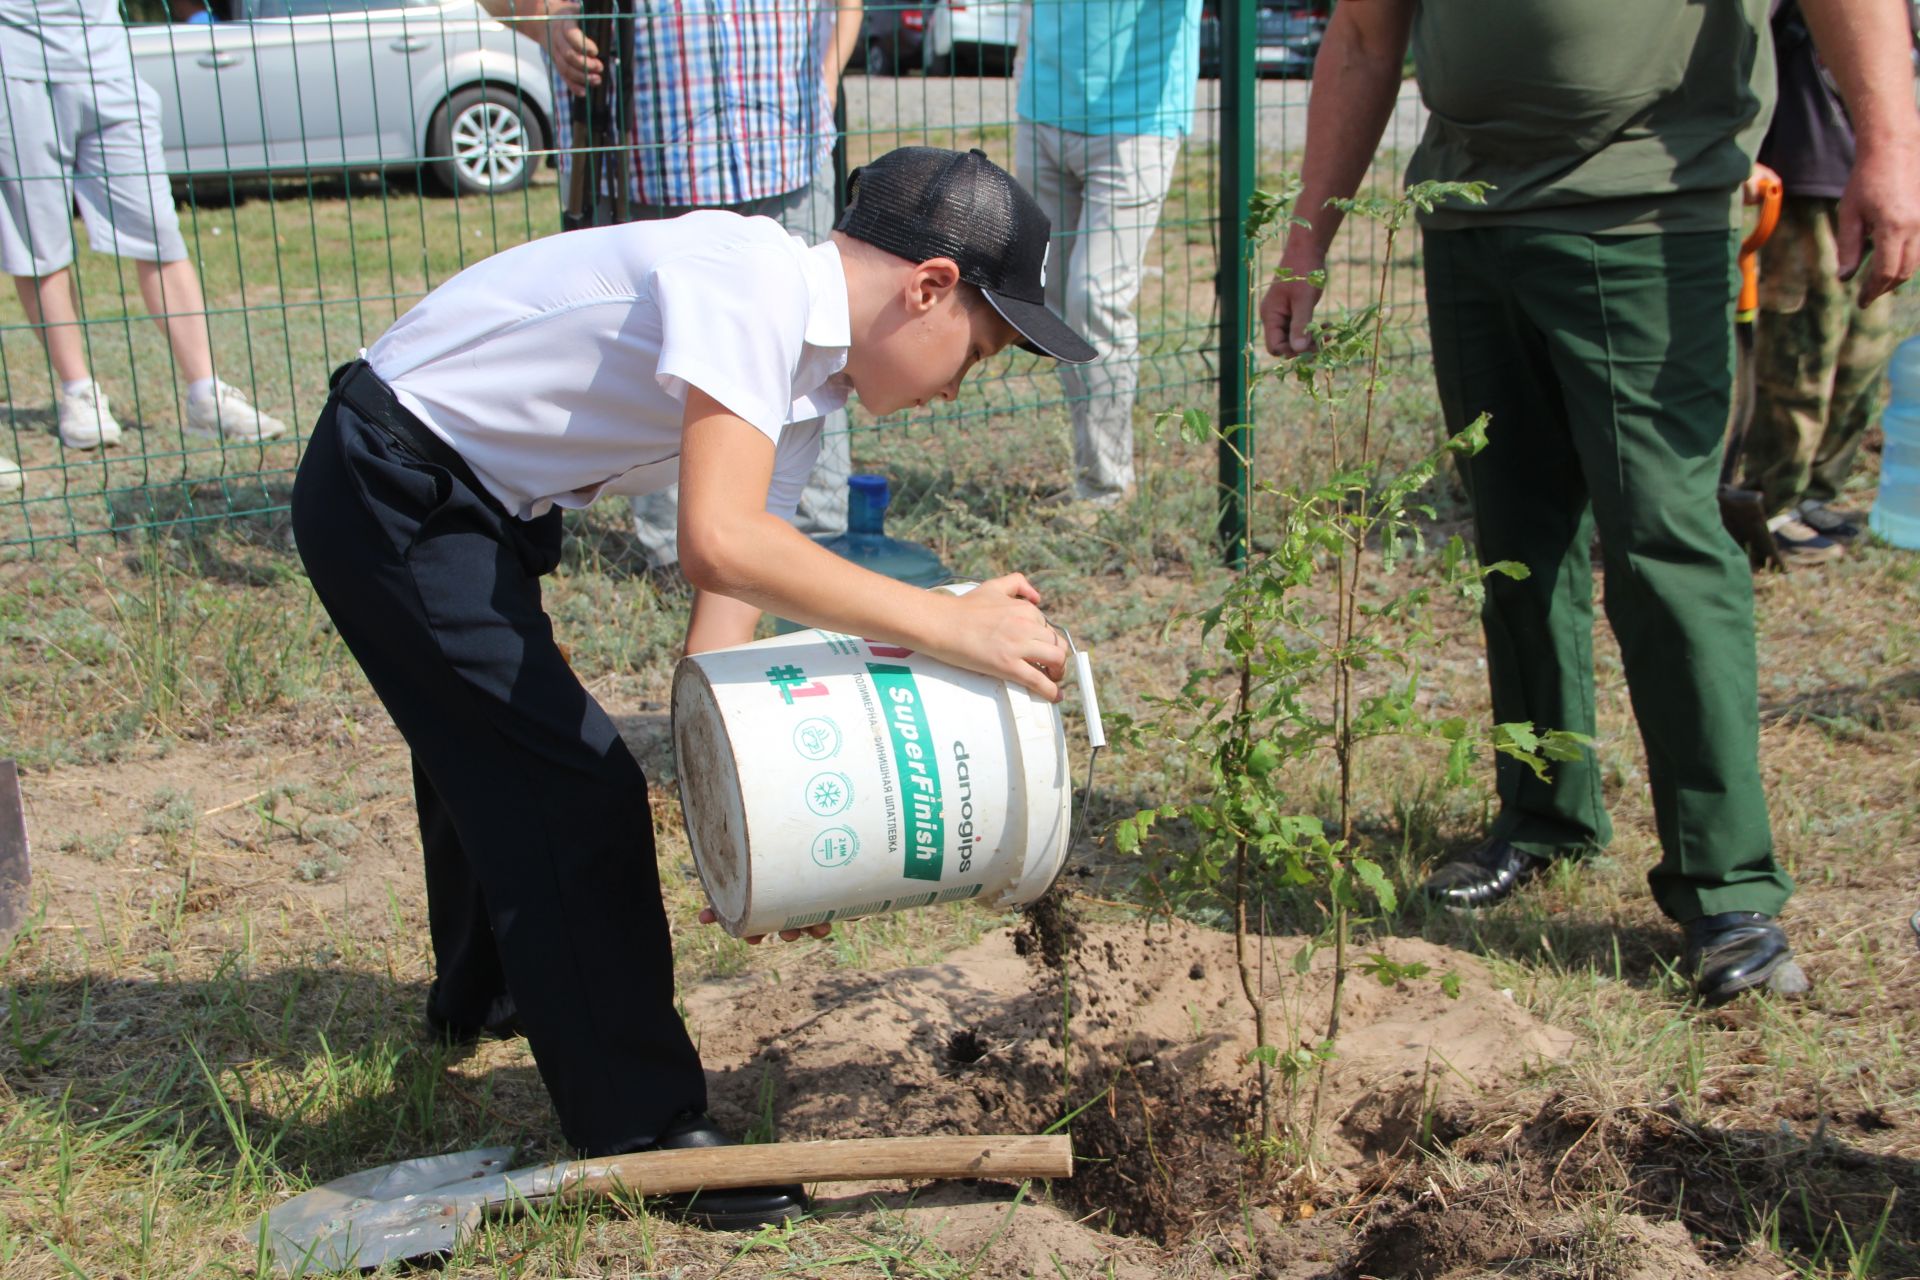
<point x="1096" y="739"/>
<point x="1089" y="700"/>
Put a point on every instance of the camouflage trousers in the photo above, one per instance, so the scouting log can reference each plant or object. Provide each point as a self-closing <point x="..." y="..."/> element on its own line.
<point x="1819" y="361"/>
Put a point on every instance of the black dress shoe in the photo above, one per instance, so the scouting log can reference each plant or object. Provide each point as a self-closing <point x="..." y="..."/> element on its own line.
<point x="1732" y="952"/>
<point x="1488" y="875"/>
<point x="735" y="1208"/>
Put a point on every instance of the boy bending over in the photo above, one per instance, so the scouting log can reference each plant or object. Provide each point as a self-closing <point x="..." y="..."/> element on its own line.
<point x="619" y="360"/>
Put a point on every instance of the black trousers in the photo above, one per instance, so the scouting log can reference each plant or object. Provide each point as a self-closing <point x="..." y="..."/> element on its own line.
<point x="542" y="890"/>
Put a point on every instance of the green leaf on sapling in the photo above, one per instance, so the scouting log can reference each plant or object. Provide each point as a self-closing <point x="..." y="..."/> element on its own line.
<point x="1375" y="879"/>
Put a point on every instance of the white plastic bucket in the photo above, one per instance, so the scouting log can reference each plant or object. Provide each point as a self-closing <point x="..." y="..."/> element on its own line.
<point x="825" y="777"/>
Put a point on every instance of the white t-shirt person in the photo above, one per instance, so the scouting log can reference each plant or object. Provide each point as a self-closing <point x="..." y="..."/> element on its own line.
<point x="558" y="370"/>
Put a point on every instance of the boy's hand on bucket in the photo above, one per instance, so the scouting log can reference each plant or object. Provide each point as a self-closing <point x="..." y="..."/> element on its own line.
<point x="786" y="935"/>
<point x="1000" y="631"/>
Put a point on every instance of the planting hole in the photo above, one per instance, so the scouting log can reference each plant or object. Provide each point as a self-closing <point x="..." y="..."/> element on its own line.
<point x="965" y="1047"/>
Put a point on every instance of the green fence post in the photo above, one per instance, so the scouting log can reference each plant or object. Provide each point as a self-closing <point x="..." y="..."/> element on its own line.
<point x="1238" y="99"/>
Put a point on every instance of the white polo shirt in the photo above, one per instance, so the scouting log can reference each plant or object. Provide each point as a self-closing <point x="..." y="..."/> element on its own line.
<point x="559" y="369"/>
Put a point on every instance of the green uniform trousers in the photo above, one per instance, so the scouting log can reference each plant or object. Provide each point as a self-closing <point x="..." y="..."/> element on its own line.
<point x="1605" y="364"/>
<point x="1820" y="360"/>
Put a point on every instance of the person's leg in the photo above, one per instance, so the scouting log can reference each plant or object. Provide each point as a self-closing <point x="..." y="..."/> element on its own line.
<point x="1529" y="505"/>
<point x="126" y="201"/>
<point x="171" y="291"/>
<point x="1124" y="180"/>
<point x="36" y="215"/>
<point x="1047" y="168"/>
<point x="49" y="306"/>
<point x="469" y="996"/>
<point x="1640" y="330"/>
<point x="1797" y="335"/>
<point x="125" y="197"/>
<point x="85" y="416"/>
<point x="1859" y="378"/>
<point x="437" y="596"/>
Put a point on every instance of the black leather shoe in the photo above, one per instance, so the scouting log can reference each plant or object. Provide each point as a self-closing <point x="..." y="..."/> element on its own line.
<point x="734" y="1209"/>
<point x="1732" y="952"/>
<point x="1488" y="875"/>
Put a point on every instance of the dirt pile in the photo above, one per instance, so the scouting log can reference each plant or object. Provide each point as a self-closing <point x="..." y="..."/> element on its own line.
<point x="1438" y="1240"/>
<point x="1155" y="1051"/>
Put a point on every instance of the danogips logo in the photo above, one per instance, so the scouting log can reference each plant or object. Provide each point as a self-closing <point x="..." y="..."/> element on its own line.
<point x="963" y="795"/>
<point x="919" y="774"/>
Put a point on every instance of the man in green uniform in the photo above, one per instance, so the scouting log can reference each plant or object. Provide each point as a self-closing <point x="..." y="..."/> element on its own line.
<point x="1587" y="307"/>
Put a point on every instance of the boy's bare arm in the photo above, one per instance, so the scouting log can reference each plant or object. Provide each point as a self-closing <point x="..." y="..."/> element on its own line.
<point x="731" y="546"/>
<point x="719" y="622"/>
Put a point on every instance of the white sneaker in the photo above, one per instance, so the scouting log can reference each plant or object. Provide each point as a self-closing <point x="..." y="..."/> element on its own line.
<point x="229" y="413"/>
<point x="10" y="477"/>
<point x="86" y="421"/>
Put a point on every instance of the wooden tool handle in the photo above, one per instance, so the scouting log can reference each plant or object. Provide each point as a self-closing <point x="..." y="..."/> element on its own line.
<point x="845" y="1160"/>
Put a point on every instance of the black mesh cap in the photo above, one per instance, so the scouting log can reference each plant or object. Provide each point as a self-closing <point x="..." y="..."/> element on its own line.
<point x="926" y="202"/>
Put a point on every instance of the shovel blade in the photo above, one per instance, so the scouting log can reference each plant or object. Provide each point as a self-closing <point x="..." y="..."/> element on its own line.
<point x="1744" y="513"/>
<point x="407" y="1209"/>
<point x="16" y="868"/>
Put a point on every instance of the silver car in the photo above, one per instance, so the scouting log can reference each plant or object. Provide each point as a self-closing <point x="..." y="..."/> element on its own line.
<point x="302" y="85"/>
<point x="969" y="38"/>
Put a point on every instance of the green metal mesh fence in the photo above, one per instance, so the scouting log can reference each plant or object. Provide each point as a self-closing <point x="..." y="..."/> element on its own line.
<point x="331" y="161"/>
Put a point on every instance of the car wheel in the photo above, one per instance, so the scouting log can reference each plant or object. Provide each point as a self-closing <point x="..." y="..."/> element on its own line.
<point x="881" y="60"/>
<point x="483" y="141"/>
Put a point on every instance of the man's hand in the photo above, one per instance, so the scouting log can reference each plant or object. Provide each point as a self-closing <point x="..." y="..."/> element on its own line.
<point x="1356" y="79"/>
<point x="1287" y="309"/>
<point x="786" y="935"/>
<point x="1753" y="190"/>
<point x="1881" y="208"/>
<point x="1000" y="632"/>
<point x="574" y="56"/>
<point x="1866" y="46"/>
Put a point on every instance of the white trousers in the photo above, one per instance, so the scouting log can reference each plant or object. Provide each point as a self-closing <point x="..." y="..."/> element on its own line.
<point x="1103" y="194"/>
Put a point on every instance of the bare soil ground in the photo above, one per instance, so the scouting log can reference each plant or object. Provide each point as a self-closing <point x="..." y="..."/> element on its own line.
<point x="232" y="940"/>
<point x="217" y="1001"/>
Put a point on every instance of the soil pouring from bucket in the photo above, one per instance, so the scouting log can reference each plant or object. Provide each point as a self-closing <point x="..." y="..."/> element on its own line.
<point x="826" y="777"/>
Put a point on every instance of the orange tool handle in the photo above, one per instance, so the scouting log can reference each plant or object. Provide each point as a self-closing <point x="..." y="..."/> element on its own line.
<point x="1770" y="193"/>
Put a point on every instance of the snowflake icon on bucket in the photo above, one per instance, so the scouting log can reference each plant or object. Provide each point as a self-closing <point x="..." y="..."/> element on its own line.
<point x="829" y="793"/>
<point x="835" y="847"/>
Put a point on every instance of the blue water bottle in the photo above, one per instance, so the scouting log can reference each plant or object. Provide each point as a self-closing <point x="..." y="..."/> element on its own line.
<point x="1896" y="512"/>
<point x="866" y="543"/>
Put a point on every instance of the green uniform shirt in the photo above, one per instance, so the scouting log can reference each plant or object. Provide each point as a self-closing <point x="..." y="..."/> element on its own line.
<point x="1627" y="116"/>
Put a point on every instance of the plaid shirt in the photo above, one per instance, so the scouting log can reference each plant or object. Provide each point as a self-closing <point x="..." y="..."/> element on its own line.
<point x="730" y="100"/>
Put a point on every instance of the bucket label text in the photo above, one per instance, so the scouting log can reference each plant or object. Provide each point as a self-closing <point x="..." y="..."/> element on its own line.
<point x="901" y="707"/>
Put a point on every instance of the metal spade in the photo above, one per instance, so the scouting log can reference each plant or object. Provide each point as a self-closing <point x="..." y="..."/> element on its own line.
<point x="414" y="1208"/>
<point x="16" y="866"/>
